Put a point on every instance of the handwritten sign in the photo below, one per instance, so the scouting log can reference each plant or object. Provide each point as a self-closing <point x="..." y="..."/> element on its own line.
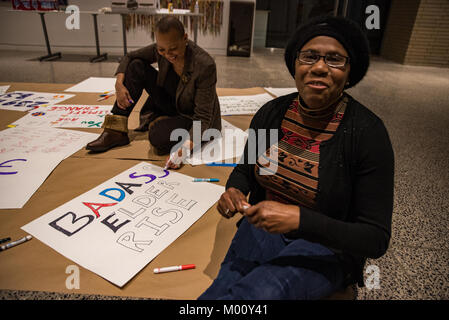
<point x="66" y="116"/>
<point x="118" y="227"/>
<point x="4" y="165"/>
<point x="28" y="100"/>
<point x="233" y="105"/>
<point x="43" y="140"/>
<point x="22" y="174"/>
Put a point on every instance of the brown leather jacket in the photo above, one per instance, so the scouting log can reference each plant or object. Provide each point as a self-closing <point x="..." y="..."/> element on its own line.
<point x="196" y="95"/>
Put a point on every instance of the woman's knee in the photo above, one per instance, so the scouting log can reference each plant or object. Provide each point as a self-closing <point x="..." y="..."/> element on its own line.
<point x="159" y="136"/>
<point x="136" y="64"/>
<point x="141" y="68"/>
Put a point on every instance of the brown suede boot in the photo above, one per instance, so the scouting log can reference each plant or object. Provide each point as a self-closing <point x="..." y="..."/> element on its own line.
<point x="115" y="134"/>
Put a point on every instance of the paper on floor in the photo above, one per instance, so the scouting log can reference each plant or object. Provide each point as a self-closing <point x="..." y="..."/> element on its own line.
<point x="94" y="84"/>
<point x="29" y="100"/>
<point x="43" y="140"/>
<point x="21" y="174"/>
<point x="66" y="116"/>
<point x="234" y="105"/>
<point x="3" y="89"/>
<point x="277" y="92"/>
<point x="230" y="145"/>
<point x="118" y="227"/>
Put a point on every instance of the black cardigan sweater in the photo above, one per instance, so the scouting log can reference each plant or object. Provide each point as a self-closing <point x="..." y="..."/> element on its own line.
<point x="355" y="190"/>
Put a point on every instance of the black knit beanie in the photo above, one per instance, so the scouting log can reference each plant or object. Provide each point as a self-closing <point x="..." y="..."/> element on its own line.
<point x="347" y="32"/>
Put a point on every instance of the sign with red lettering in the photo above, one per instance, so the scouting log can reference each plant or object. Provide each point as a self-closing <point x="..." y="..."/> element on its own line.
<point x="66" y="116"/>
<point x="118" y="227"/>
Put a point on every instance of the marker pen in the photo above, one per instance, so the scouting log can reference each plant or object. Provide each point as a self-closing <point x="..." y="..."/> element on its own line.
<point x="103" y="98"/>
<point x="215" y="164"/>
<point x="206" y="180"/>
<point x="15" y="243"/>
<point x="174" y="268"/>
<point x="5" y="240"/>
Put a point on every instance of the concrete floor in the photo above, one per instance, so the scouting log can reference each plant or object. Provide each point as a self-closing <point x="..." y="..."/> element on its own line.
<point x="414" y="104"/>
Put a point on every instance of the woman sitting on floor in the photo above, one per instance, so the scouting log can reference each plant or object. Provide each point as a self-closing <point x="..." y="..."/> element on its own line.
<point x="183" y="90"/>
<point x="310" y="224"/>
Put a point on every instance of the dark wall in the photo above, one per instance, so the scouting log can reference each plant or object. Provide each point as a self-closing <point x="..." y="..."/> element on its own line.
<point x="241" y="16"/>
<point x="286" y="15"/>
<point x="356" y="12"/>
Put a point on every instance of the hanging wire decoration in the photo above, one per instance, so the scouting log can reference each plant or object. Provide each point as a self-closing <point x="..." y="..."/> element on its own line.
<point x="209" y="23"/>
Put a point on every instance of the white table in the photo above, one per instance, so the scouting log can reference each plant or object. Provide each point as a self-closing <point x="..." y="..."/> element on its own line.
<point x="122" y="12"/>
<point x="57" y="55"/>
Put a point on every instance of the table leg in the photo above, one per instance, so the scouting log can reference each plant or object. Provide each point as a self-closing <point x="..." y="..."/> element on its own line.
<point x="98" y="57"/>
<point x="195" y="28"/>
<point x="49" y="56"/>
<point x="125" y="51"/>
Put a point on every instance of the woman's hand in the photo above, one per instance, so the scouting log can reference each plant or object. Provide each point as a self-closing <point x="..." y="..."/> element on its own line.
<point x="123" y="97"/>
<point x="176" y="159"/>
<point x="231" y="202"/>
<point x="273" y="216"/>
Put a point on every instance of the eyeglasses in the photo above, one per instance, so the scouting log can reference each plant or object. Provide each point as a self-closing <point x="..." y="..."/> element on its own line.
<point x="333" y="60"/>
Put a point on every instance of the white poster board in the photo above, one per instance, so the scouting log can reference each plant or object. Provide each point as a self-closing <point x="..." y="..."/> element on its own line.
<point x="277" y="92"/>
<point x="66" y="116"/>
<point x="117" y="228"/>
<point x="29" y="100"/>
<point x="22" y="174"/>
<point x="43" y="140"/>
<point x="94" y="84"/>
<point x="230" y="145"/>
<point x="3" y="89"/>
<point x="234" y="105"/>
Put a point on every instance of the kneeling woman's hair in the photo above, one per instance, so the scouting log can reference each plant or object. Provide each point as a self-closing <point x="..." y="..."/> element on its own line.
<point x="168" y="23"/>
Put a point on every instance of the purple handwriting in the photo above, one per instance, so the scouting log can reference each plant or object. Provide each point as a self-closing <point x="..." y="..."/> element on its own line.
<point x="2" y="165"/>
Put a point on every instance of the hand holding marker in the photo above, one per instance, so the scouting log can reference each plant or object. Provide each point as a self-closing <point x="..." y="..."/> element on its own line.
<point x="174" y="159"/>
<point x="245" y="207"/>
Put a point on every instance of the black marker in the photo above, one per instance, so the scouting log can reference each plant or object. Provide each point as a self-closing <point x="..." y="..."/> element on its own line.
<point x="15" y="243"/>
<point x="5" y="240"/>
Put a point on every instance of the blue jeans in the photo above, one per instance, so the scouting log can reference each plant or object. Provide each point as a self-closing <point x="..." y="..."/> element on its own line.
<point x="264" y="266"/>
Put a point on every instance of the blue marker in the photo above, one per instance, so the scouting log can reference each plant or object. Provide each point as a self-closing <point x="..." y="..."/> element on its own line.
<point x="205" y="180"/>
<point x="215" y="164"/>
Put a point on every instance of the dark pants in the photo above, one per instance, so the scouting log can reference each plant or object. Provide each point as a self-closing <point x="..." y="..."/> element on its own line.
<point x="161" y="103"/>
<point x="264" y="266"/>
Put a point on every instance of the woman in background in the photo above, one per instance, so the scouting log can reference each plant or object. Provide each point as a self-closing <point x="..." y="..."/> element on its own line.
<point x="182" y="91"/>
